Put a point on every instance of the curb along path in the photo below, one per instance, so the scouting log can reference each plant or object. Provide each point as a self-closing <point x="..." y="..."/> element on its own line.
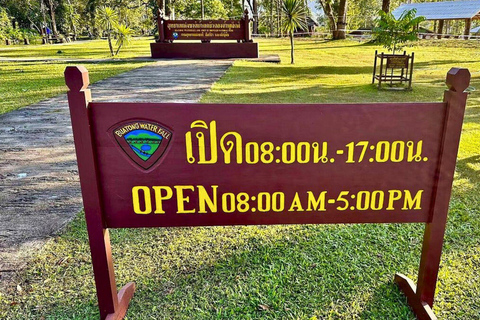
<point x="39" y="186"/>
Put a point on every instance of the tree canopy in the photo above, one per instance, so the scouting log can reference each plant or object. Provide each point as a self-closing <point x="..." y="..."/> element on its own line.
<point x="80" y="17"/>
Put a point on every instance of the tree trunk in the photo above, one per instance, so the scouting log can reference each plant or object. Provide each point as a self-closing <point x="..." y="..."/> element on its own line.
<point x="168" y="8"/>
<point x="386" y="6"/>
<point x="110" y="43"/>
<point x="305" y="5"/>
<point x="255" y="17"/>
<point x="292" y="59"/>
<point x="72" y="21"/>
<point x="51" y="9"/>
<point x="279" y="17"/>
<point x="118" y="50"/>
<point x="341" y="21"/>
<point x="328" y="10"/>
<point x="91" y="8"/>
<point x="271" y="17"/>
<point x="161" y="5"/>
<point x="466" y="32"/>
<point x="440" y="29"/>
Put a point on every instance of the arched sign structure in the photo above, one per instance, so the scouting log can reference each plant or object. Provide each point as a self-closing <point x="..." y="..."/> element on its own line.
<point x="171" y="165"/>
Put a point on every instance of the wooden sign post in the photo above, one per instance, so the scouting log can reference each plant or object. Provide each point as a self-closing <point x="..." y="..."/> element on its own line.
<point x="172" y="165"/>
<point x="173" y="32"/>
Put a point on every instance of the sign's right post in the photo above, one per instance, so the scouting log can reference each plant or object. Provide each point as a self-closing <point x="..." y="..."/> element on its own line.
<point x="421" y="298"/>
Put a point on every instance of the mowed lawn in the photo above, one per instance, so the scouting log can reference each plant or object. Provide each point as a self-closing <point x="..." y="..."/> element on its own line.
<point x="282" y="272"/>
<point x="26" y="82"/>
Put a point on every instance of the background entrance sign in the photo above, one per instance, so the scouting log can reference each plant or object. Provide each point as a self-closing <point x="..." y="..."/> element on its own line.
<point x="173" y="32"/>
<point x="170" y="165"/>
<point x="205" y="30"/>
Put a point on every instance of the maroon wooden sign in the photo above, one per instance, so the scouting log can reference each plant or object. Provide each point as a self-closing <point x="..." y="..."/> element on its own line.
<point x="171" y="33"/>
<point x="168" y="165"/>
<point x="397" y="62"/>
<point x="204" y="29"/>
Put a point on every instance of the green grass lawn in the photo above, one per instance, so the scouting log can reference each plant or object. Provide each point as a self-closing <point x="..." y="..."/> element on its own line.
<point x="25" y="83"/>
<point x="282" y="272"/>
<point x="95" y="49"/>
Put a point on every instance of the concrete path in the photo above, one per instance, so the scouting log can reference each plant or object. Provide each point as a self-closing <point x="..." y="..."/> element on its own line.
<point x="39" y="186"/>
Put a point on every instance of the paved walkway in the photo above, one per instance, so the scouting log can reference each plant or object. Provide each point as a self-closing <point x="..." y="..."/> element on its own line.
<point x="39" y="186"/>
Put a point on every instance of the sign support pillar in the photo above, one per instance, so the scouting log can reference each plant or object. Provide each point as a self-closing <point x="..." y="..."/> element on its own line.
<point x="112" y="305"/>
<point x="421" y="298"/>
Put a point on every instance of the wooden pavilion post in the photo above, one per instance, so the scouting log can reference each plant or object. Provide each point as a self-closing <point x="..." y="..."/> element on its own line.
<point x="468" y="26"/>
<point x="421" y="297"/>
<point x="111" y="305"/>
<point x="440" y="29"/>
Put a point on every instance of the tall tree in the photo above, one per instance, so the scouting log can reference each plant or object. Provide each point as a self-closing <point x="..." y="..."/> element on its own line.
<point x="253" y="5"/>
<point x="341" y="20"/>
<point x="191" y="9"/>
<point x="71" y="17"/>
<point x="91" y="10"/>
<point x="108" y="20"/>
<point x="52" y="6"/>
<point x="295" y="12"/>
<point x="336" y="12"/>
<point x="26" y="12"/>
<point x="386" y="6"/>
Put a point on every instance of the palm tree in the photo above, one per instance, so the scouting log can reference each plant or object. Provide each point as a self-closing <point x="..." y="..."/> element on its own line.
<point x="108" y="20"/>
<point x="295" y="16"/>
<point x="124" y="36"/>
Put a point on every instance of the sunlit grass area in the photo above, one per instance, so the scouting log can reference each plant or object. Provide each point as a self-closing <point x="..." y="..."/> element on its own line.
<point x="282" y="272"/>
<point x="91" y="49"/>
<point x="24" y="83"/>
<point x="340" y="71"/>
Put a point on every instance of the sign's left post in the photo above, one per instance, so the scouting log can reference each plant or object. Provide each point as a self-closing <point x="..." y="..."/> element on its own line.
<point x="111" y="304"/>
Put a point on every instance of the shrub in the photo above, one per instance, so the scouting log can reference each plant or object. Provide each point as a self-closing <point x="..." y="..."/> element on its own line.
<point x="395" y="33"/>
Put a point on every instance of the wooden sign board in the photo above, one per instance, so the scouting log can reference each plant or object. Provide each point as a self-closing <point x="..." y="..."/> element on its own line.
<point x="171" y="33"/>
<point x="170" y="165"/>
<point x="204" y="29"/>
<point x="397" y="62"/>
<point x="395" y="69"/>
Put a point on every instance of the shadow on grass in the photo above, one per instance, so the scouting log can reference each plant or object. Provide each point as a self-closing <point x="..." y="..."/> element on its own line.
<point x="254" y="273"/>
<point x="298" y="92"/>
<point x="385" y="296"/>
<point x="270" y="272"/>
<point x="311" y="44"/>
<point x="267" y="72"/>
<point x="316" y="84"/>
<point x="472" y="115"/>
<point x="420" y="64"/>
